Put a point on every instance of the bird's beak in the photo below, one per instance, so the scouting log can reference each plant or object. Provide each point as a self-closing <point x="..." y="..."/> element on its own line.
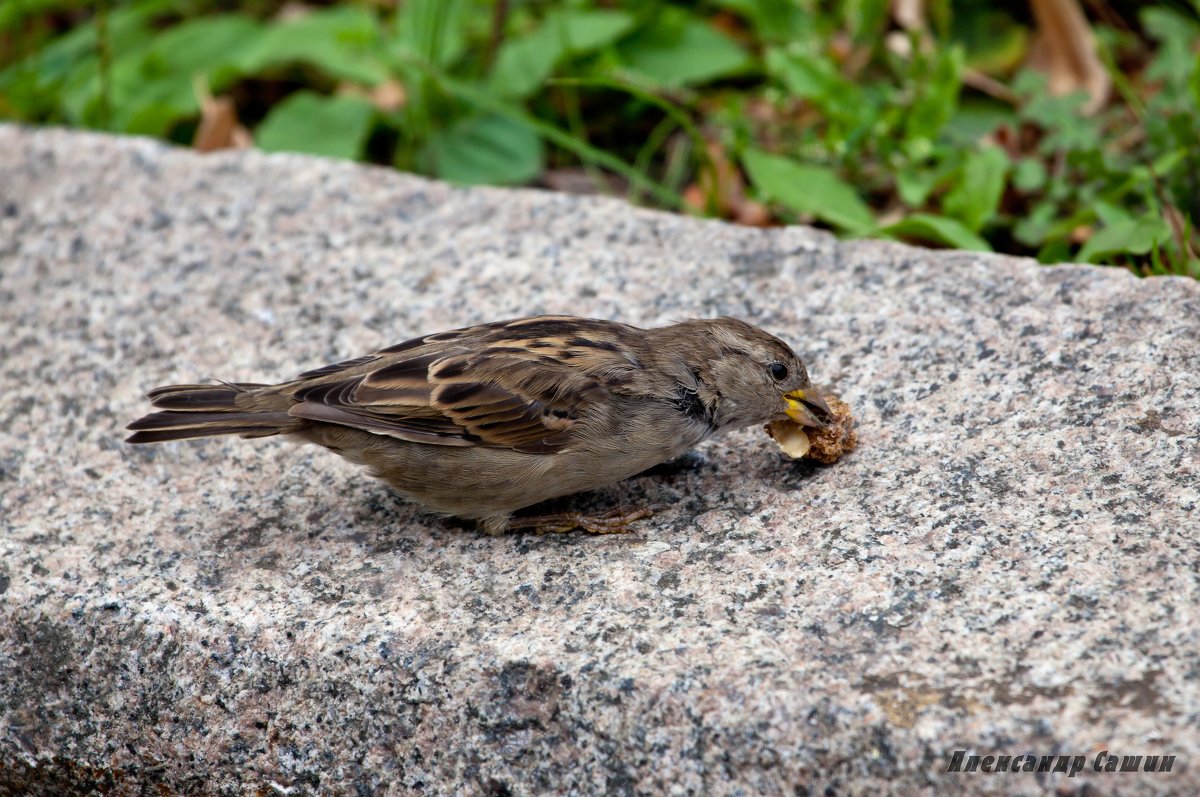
<point x="807" y="408"/>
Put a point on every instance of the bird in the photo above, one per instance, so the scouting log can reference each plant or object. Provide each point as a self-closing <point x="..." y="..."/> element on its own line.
<point x="486" y="420"/>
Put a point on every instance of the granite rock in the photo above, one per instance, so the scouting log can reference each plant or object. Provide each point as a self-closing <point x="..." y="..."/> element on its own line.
<point x="1008" y="564"/>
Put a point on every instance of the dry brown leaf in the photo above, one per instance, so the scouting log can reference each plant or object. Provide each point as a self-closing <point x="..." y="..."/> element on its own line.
<point x="389" y="95"/>
<point x="899" y="44"/>
<point x="909" y="14"/>
<point x="729" y="191"/>
<point x="1064" y="49"/>
<point x="219" y="127"/>
<point x="693" y="197"/>
<point x="291" y="11"/>
<point x="988" y="85"/>
<point x="582" y="181"/>
<point x="752" y="214"/>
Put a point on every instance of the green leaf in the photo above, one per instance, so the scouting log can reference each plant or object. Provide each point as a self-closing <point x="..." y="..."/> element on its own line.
<point x="774" y="20"/>
<point x="1133" y="236"/>
<point x="1029" y="175"/>
<point x="317" y="125"/>
<point x="867" y="19"/>
<point x="1109" y="214"/>
<point x="976" y="195"/>
<point x="1036" y="225"/>
<point x="62" y="80"/>
<point x="975" y="119"/>
<point x="153" y="88"/>
<point x="342" y="41"/>
<point x="204" y="43"/>
<point x="1060" y="117"/>
<point x="433" y="30"/>
<point x="577" y="146"/>
<point x="14" y="13"/>
<point x="1194" y="82"/>
<point x="1055" y="251"/>
<point x="679" y="49"/>
<point x="524" y="62"/>
<point x="939" y="230"/>
<point x="1175" y="59"/>
<point x="488" y="148"/>
<point x="816" y="79"/>
<point x="937" y="97"/>
<point x="914" y="184"/>
<point x="995" y="43"/>
<point x="127" y="28"/>
<point x="805" y="188"/>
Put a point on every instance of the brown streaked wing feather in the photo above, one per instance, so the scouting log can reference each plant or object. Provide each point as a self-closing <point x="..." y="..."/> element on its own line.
<point x="522" y="384"/>
<point x="523" y="401"/>
<point x="334" y="368"/>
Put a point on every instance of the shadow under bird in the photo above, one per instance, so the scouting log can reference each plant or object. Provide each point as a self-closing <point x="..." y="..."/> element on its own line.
<point x="482" y="421"/>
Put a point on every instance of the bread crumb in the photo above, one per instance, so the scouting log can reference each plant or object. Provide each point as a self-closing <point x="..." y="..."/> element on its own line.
<point x="827" y="444"/>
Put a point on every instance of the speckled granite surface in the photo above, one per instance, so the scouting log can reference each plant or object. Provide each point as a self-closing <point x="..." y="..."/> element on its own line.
<point x="1009" y="564"/>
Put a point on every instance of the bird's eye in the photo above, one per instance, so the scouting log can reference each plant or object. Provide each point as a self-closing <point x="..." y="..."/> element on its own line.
<point x="778" y="371"/>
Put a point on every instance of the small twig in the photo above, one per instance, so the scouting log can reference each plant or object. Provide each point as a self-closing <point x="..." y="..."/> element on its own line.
<point x="104" y="53"/>
<point x="1174" y="217"/>
<point x="499" y="20"/>
<point x="989" y="86"/>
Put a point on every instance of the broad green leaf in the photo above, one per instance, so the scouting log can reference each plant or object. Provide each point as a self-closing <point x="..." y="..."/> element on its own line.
<point x="1035" y="226"/>
<point x="939" y="230"/>
<point x="127" y="28"/>
<point x="484" y="100"/>
<point x="1057" y="250"/>
<point x="524" y="62"/>
<point x="341" y="41"/>
<point x="150" y="107"/>
<point x="1061" y="117"/>
<point x="995" y="43"/>
<point x="974" y="119"/>
<point x="1133" y="236"/>
<point x="917" y="179"/>
<point x="774" y="20"/>
<point x="976" y="195"/>
<point x="805" y="188"/>
<point x="489" y="148"/>
<point x="1175" y="59"/>
<point x="317" y="125"/>
<point x="62" y="80"/>
<point x="435" y="31"/>
<point x="1194" y="82"/>
<point x="1029" y="175"/>
<point x="679" y="49"/>
<point x="1109" y="214"/>
<point x="204" y="43"/>
<point x="16" y="11"/>
<point x="816" y="79"/>
<point x="153" y="88"/>
<point x="914" y="184"/>
<point x="867" y="19"/>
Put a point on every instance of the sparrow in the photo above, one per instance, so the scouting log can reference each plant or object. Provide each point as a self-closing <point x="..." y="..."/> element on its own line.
<point x="485" y="420"/>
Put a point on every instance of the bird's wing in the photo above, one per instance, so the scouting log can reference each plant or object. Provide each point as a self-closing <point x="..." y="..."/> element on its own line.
<point x="526" y="385"/>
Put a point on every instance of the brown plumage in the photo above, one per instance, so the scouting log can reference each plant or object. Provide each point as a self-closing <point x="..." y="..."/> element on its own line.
<point x="482" y="421"/>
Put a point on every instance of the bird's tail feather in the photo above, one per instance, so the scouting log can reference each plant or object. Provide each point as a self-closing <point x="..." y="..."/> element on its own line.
<point x="189" y="411"/>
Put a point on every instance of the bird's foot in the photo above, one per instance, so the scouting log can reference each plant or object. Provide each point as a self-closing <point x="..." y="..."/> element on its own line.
<point x="614" y="521"/>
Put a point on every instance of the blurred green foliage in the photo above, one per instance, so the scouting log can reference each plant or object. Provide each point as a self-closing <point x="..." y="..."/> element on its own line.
<point x="811" y="103"/>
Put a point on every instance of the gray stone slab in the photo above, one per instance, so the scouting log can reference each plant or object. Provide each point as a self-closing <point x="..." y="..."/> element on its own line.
<point x="1009" y="564"/>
